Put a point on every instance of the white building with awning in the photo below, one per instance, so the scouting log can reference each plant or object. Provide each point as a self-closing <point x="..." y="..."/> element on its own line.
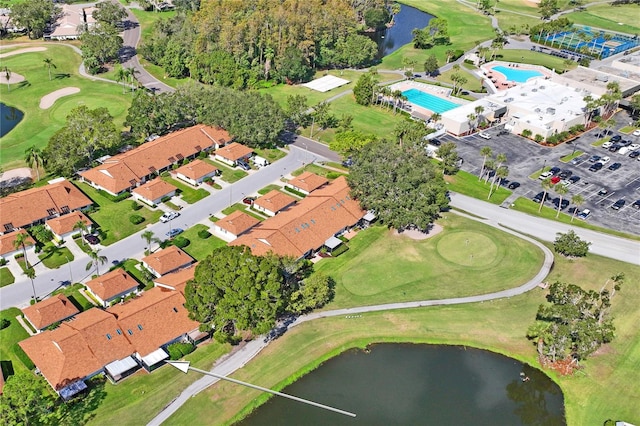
<point x="121" y="368"/>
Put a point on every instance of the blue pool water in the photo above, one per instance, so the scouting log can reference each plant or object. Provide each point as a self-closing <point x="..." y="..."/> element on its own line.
<point x="428" y="101"/>
<point x="516" y="74"/>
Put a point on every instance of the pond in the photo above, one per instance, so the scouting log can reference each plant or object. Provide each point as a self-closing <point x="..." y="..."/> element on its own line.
<point x="404" y="384"/>
<point x="399" y="34"/>
<point x="9" y="118"/>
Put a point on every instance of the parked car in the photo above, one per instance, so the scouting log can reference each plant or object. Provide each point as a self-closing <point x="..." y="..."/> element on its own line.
<point x="615" y="166"/>
<point x="636" y="205"/>
<point x="634" y="146"/>
<point x="618" y="204"/>
<point x="615" y="138"/>
<point x="545" y="175"/>
<point x="615" y="147"/>
<point x="555" y="179"/>
<point x="595" y="167"/>
<point x="564" y="182"/>
<point x="243" y="165"/>
<point x="565" y="174"/>
<point x="577" y="160"/>
<point x="625" y="150"/>
<point x="563" y="205"/>
<point x="574" y="179"/>
<point x="624" y="142"/>
<point x="349" y="161"/>
<point x="555" y="170"/>
<point x="174" y="232"/>
<point x="584" y="214"/>
<point x="513" y="185"/>
<point x="605" y="160"/>
<point x="603" y="192"/>
<point x="636" y="132"/>
<point x="607" y="145"/>
<point x="635" y="154"/>
<point x="248" y="200"/>
<point x="594" y="158"/>
<point x="168" y="216"/>
<point x="435" y="142"/>
<point x="91" y="239"/>
<point x="484" y="135"/>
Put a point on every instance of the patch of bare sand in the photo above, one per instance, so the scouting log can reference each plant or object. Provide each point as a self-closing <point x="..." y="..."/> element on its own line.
<point x="13" y="77"/>
<point x="48" y="100"/>
<point x="19" y="51"/>
<point x="414" y="234"/>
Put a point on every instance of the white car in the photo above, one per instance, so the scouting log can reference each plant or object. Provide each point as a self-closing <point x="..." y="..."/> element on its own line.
<point x="636" y="132"/>
<point x="484" y="135"/>
<point x="564" y="182"/>
<point x="634" y="146"/>
<point x="604" y="160"/>
<point x="545" y="175"/>
<point x="168" y="216"/>
<point x="584" y="214"/>
<point x="624" y="150"/>
<point x="607" y="145"/>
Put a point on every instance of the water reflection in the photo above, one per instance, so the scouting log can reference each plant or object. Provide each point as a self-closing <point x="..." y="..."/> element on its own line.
<point x="9" y="118"/>
<point x="399" y="34"/>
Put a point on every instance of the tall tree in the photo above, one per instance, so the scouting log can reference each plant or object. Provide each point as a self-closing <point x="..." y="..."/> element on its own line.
<point x="100" y="44"/>
<point x="398" y="183"/>
<point x="297" y="109"/>
<point x="431" y="64"/>
<point x="121" y="76"/>
<point x="448" y="153"/>
<point x="578" y="200"/>
<point x="35" y="159"/>
<point x="34" y="15"/>
<point x="562" y="191"/>
<point x="314" y="292"/>
<point x="485" y="152"/>
<point x="27" y="400"/>
<point x="30" y="272"/>
<point x="546" y="185"/>
<point x="350" y="141"/>
<point x="82" y="227"/>
<point x="96" y="260"/>
<point x="48" y="64"/>
<point x="7" y="77"/>
<point x="233" y="291"/>
<point x="109" y="13"/>
<point x="20" y="242"/>
<point x="569" y="244"/>
<point x="149" y="237"/>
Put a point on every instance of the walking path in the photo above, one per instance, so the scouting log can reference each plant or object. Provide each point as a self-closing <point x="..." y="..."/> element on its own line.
<point x="240" y="358"/>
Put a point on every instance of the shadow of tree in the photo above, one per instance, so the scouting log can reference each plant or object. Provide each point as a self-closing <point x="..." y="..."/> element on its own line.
<point x="81" y="409"/>
<point x="60" y="76"/>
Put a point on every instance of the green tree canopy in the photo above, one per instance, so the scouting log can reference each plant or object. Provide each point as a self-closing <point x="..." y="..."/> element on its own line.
<point x="34" y="15"/>
<point x="399" y="183"/>
<point x="109" y="13"/>
<point x="376" y="18"/>
<point x="431" y="64"/>
<point x="434" y="34"/>
<point x="87" y="133"/>
<point x="233" y="291"/>
<point x="569" y="244"/>
<point x="350" y="141"/>
<point x="26" y="400"/>
<point x="100" y="44"/>
<point x="449" y="156"/>
<point x="365" y="88"/>
<point x="314" y="292"/>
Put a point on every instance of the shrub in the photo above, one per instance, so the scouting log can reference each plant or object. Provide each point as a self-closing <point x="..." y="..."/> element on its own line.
<point x="181" y="242"/>
<point x="570" y="244"/>
<point x="19" y="353"/>
<point x="202" y="155"/>
<point x="538" y="138"/>
<point x="165" y="199"/>
<point x="333" y="175"/>
<point x="41" y="233"/>
<point x="526" y="133"/>
<point x="136" y="219"/>
<point x="175" y="166"/>
<point x="135" y="206"/>
<point x="178" y="350"/>
<point x="204" y="234"/>
<point x="4" y="323"/>
<point x="115" y="199"/>
<point x="339" y="250"/>
<point x="165" y="174"/>
<point x="18" y="256"/>
<point x="3" y="261"/>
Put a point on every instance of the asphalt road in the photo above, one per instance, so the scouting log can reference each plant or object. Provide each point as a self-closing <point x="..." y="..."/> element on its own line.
<point x="19" y="293"/>
<point x="311" y="147"/>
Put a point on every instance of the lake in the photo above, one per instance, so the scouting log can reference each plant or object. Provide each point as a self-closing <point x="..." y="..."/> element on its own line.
<point x="405" y="384"/>
<point x="399" y="34"/>
<point x="9" y="118"/>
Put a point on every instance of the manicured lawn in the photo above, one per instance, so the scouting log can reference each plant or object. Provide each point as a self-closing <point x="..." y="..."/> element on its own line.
<point x="229" y="175"/>
<point x="380" y="267"/>
<point x="269" y="188"/>
<point x="528" y="206"/>
<point x="73" y="293"/>
<point x="200" y="248"/>
<point x="468" y="184"/>
<point x="113" y="218"/>
<point x="129" y="265"/>
<point x="536" y="58"/>
<point x="188" y="193"/>
<point x="465" y="26"/>
<point x="6" y="277"/>
<point x="140" y="397"/>
<point x="39" y="125"/>
<point x="319" y="170"/>
<point x="371" y="120"/>
<point x="570" y="157"/>
<point x="627" y="129"/>
<point x="609" y="17"/>
<point x="601" y="141"/>
<point x="270" y="154"/>
<point x="53" y="257"/>
<point x="8" y="338"/>
<point x="243" y="208"/>
<point x="499" y="326"/>
<point x="473" y="84"/>
<point x="280" y="92"/>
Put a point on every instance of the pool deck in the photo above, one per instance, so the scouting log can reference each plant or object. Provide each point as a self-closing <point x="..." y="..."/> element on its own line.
<point x="500" y="82"/>
<point x="439" y="91"/>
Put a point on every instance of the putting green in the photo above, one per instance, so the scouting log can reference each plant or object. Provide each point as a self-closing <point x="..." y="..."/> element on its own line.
<point x="468" y="249"/>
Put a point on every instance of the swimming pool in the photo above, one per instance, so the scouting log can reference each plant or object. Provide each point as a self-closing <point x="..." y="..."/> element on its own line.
<point x="516" y="74"/>
<point x="428" y="101"/>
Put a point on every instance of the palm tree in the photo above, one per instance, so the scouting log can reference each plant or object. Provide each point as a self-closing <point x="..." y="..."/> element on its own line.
<point x="31" y="273"/>
<point x="546" y="185"/>
<point x="479" y="110"/>
<point x="435" y="117"/>
<point x="486" y="152"/>
<point x="33" y="157"/>
<point x="472" y="121"/>
<point x="131" y="74"/>
<point x="149" y="237"/>
<point x="490" y="165"/>
<point x="82" y="227"/>
<point x="122" y="75"/>
<point x="7" y="76"/>
<point x="501" y="173"/>
<point x="96" y="260"/>
<point x="562" y="191"/>
<point x="396" y="94"/>
<point x="578" y="200"/>
<point x="449" y="54"/>
<point x="48" y="63"/>
<point x="500" y="160"/>
<point x="19" y="242"/>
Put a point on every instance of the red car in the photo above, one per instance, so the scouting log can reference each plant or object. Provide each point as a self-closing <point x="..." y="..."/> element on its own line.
<point x="555" y="180"/>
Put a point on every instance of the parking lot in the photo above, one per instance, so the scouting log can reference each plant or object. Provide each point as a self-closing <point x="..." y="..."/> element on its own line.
<point x="525" y="157"/>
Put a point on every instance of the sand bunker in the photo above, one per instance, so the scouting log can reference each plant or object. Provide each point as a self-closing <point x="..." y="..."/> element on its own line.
<point x="15" y="177"/>
<point x="19" y="51"/>
<point x="414" y="234"/>
<point x="13" y="78"/>
<point x="48" y="100"/>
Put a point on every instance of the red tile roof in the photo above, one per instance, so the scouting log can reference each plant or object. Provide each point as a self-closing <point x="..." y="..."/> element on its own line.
<point x="154" y="189"/>
<point x="112" y="284"/>
<point x="26" y="207"/>
<point x="307" y="225"/>
<point x="177" y="280"/>
<point x="63" y="224"/>
<point x="122" y="171"/>
<point x="6" y="241"/>
<point x="274" y="201"/>
<point x="49" y="311"/>
<point x="308" y="181"/>
<point x="237" y="222"/>
<point x="168" y="260"/>
<point x="234" y="151"/>
<point x="196" y="169"/>
<point x="153" y="319"/>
